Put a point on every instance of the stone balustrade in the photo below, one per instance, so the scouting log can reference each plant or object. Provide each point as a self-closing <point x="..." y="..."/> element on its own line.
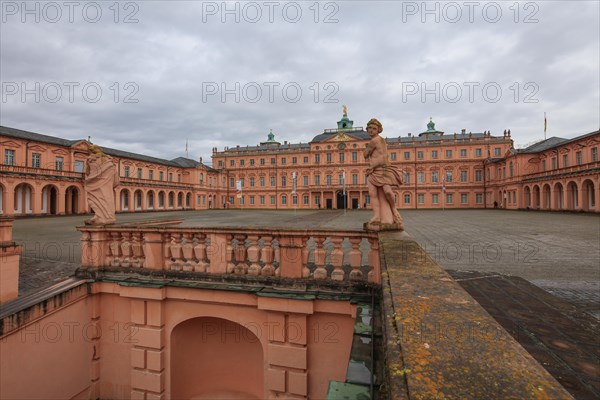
<point x="299" y="254"/>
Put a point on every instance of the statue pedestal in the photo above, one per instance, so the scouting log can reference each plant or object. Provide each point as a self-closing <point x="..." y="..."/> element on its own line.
<point x="380" y="226"/>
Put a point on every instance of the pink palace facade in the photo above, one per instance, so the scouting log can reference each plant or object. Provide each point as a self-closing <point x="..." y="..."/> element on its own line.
<point x="43" y="175"/>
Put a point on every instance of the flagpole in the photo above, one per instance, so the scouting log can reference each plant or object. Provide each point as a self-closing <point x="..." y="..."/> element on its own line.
<point x="545" y="125"/>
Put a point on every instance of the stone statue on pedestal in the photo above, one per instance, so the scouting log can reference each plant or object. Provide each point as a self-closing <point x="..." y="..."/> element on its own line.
<point x="382" y="178"/>
<point x="101" y="178"/>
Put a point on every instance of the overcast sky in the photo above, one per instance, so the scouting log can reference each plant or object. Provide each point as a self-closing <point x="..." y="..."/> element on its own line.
<point x="145" y="76"/>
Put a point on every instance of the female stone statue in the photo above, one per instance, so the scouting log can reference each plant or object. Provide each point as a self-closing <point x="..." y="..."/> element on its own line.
<point x="101" y="178"/>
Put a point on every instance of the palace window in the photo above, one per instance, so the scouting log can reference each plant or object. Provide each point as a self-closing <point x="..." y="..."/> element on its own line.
<point x="261" y="199"/>
<point x="463" y="152"/>
<point x="434" y="198"/>
<point x="283" y="181"/>
<point x="179" y="178"/>
<point x="448" y="153"/>
<point x="341" y="157"/>
<point x="478" y="153"/>
<point x="543" y="165"/>
<point x="479" y="198"/>
<point x="464" y="198"/>
<point x="151" y="176"/>
<point x="355" y="179"/>
<point x="594" y="154"/>
<point x="497" y="151"/>
<point x="420" y="155"/>
<point x="220" y="163"/>
<point x="448" y="176"/>
<point x="9" y="157"/>
<point x="464" y="176"/>
<point x="317" y="158"/>
<point x="407" y="178"/>
<point x="328" y="155"/>
<point x="305" y="180"/>
<point x="59" y="163"/>
<point x="434" y="177"/>
<point x="393" y="156"/>
<point x="272" y="181"/>
<point x="354" y="156"/>
<point x="294" y="160"/>
<point x="262" y="181"/>
<point x="478" y="175"/>
<point x="295" y="200"/>
<point x="434" y="154"/>
<point x="317" y="200"/>
<point x="421" y="177"/>
<point x="273" y="161"/>
<point x="449" y="198"/>
<point x="328" y="178"/>
<point x="305" y="160"/>
<point x="421" y="198"/>
<point x="554" y="163"/>
<point x="170" y="177"/>
<point x="251" y="200"/>
<point x="283" y="161"/>
<point x="317" y="180"/>
<point x="511" y="169"/>
<point x="579" y="158"/>
<point x="407" y="198"/>
<point x="161" y="175"/>
<point x="272" y="200"/>
<point x="305" y="200"/>
<point x="565" y="160"/>
<point x="231" y="182"/>
<point x="231" y="163"/>
<point x="126" y="171"/>
<point x="262" y="161"/>
<point x="407" y="155"/>
<point x="139" y="173"/>
<point x="252" y="162"/>
<point x="251" y="181"/>
<point x="242" y="163"/>
<point x="36" y="160"/>
<point x="284" y="200"/>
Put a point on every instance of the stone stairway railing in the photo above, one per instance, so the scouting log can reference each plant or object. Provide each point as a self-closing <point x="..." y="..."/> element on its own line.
<point x="303" y="254"/>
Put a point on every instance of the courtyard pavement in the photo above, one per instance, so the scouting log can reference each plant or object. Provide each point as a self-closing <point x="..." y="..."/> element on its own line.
<point x="536" y="273"/>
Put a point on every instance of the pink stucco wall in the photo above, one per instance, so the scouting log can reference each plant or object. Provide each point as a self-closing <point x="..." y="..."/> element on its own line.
<point x="161" y="343"/>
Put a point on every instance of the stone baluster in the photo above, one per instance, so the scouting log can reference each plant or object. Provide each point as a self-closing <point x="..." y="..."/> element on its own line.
<point x="277" y="252"/>
<point x="337" y="258"/>
<point x="266" y="255"/>
<point x="200" y="252"/>
<point x="305" y="251"/>
<point x="355" y="258"/>
<point x="188" y="252"/>
<point x="126" y="250"/>
<point x="229" y="254"/>
<point x="166" y="239"/>
<point x="115" y="249"/>
<point x="241" y="268"/>
<point x="253" y="255"/>
<point x="374" y="272"/>
<point x="175" y="250"/>
<point x="320" y="253"/>
<point x="137" y="250"/>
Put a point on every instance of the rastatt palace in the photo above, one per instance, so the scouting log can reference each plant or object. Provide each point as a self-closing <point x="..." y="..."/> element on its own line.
<point x="43" y="175"/>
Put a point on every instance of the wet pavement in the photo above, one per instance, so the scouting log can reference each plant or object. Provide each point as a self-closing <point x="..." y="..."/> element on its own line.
<point x="559" y="335"/>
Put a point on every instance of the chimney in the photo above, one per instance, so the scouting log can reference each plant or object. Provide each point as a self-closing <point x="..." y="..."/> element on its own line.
<point x="463" y="131"/>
